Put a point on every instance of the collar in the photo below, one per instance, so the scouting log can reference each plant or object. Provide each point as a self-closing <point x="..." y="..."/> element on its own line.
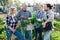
<point x="12" y="15"/>
<point x="24" y="10"/>
<point x="42" y="11"/>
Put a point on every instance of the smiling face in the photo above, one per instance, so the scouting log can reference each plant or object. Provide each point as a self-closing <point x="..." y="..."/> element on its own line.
<point x="24" y="7"/>
<point x="12" y="11"/>
<point x="40" y="7"/>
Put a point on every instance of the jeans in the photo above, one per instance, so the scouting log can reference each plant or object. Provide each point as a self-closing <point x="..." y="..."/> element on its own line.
<point x="29" y="33"/>
<point x="47" y="35"/>
<point x="17" y="34"/>
<point x="37" y="30"/>
<point x="23" y="32"/>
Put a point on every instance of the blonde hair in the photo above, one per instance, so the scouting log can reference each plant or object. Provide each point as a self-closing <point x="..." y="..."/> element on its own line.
<point x="11" y="8"/>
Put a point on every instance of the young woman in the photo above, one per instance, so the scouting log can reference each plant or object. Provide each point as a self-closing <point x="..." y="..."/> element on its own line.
<point x="48" y="24"/>
<point x="11" y="22"/>
<point x="40" y="15"/>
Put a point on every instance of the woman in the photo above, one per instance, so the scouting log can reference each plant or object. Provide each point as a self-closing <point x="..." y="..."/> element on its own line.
<point x="40" y="15"/>
<point x="47" y="25"/>
<point x="11" y="22"/>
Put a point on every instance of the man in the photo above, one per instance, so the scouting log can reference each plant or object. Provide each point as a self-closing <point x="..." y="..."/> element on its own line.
<point x="40" y="15"/>
<point x="47" y="25"/>
<point x="25" y="15"/>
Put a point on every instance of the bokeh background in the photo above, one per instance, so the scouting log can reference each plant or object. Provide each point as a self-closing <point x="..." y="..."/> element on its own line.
<point x="32" y="7"/>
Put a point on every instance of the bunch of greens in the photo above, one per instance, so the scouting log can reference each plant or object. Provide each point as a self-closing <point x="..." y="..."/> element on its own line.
<point x="35" y="22"/>
<point x="23" y="23"/>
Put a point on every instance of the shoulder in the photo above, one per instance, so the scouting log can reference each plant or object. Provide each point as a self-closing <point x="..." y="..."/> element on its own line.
<point x="8" y="16"/>
<point x="44" y="12"/>
<point x="19" y="11"/>
<point x="52" y="12"/>
<point x="28" y="12"/>
<point x="37" y="11"/>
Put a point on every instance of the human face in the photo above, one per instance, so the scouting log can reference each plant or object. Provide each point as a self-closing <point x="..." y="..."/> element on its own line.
<point x="46" y="8"/>
<point x="24" y="7"/>
<point x="41" y="7"/>
<point x="13" y="11"/>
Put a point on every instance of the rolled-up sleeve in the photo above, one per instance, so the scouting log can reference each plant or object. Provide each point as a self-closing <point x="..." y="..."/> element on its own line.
<point x="51" y="16"/>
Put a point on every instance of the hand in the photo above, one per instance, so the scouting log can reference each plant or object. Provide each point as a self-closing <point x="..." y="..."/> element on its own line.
<point x="22" y="17"/>
<point x="53" y="30"/>
<point x="29" y="18"/>
<point x="38" y="19"/>
<point x="12" y="29"/>
<point x="44" y="25"/>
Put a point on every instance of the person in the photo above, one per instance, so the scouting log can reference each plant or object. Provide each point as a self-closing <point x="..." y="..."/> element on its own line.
<point x="40" y="15"/>
<point x="25" y="15"/>
<point x="12" y="23"/>
<point x="48" y="24"/>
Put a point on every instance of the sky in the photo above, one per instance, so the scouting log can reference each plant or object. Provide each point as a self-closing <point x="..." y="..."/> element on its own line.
<point x="40" y="1"/>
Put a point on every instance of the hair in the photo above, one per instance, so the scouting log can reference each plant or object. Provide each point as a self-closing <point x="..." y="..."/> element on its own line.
<point x="40" y="5"/>
<point x="24" y="4"/>
<point x="49" y="6"/>
<point x="11" y="8"/>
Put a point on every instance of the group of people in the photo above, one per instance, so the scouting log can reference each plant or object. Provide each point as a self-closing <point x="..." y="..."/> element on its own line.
<point x="13" y="17"/>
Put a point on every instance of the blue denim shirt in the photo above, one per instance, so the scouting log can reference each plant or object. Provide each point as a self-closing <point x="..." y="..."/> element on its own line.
<point x="26" y="14"/>
<point x="40" y="15"/>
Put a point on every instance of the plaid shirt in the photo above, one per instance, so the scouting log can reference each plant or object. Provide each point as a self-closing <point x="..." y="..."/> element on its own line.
<point x="12" y="22"/>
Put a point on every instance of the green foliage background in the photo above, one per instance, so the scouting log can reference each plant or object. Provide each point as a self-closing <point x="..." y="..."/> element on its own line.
<point x="54" y="35"/>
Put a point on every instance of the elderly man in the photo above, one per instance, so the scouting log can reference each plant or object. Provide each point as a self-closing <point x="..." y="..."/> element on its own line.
<point x="24" y="14"/>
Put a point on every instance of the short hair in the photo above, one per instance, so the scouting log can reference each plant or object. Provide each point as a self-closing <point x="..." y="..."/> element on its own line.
<point x="24" y="4"/>
<point x="12" y="7"/>
<point x="49" y="6"/>
<point x="41" y="5"/>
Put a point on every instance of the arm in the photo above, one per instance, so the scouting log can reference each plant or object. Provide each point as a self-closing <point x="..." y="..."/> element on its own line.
<point x="8" y="24"/>
<point x="7" y="21"/>
<point x="51" y="18"/>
